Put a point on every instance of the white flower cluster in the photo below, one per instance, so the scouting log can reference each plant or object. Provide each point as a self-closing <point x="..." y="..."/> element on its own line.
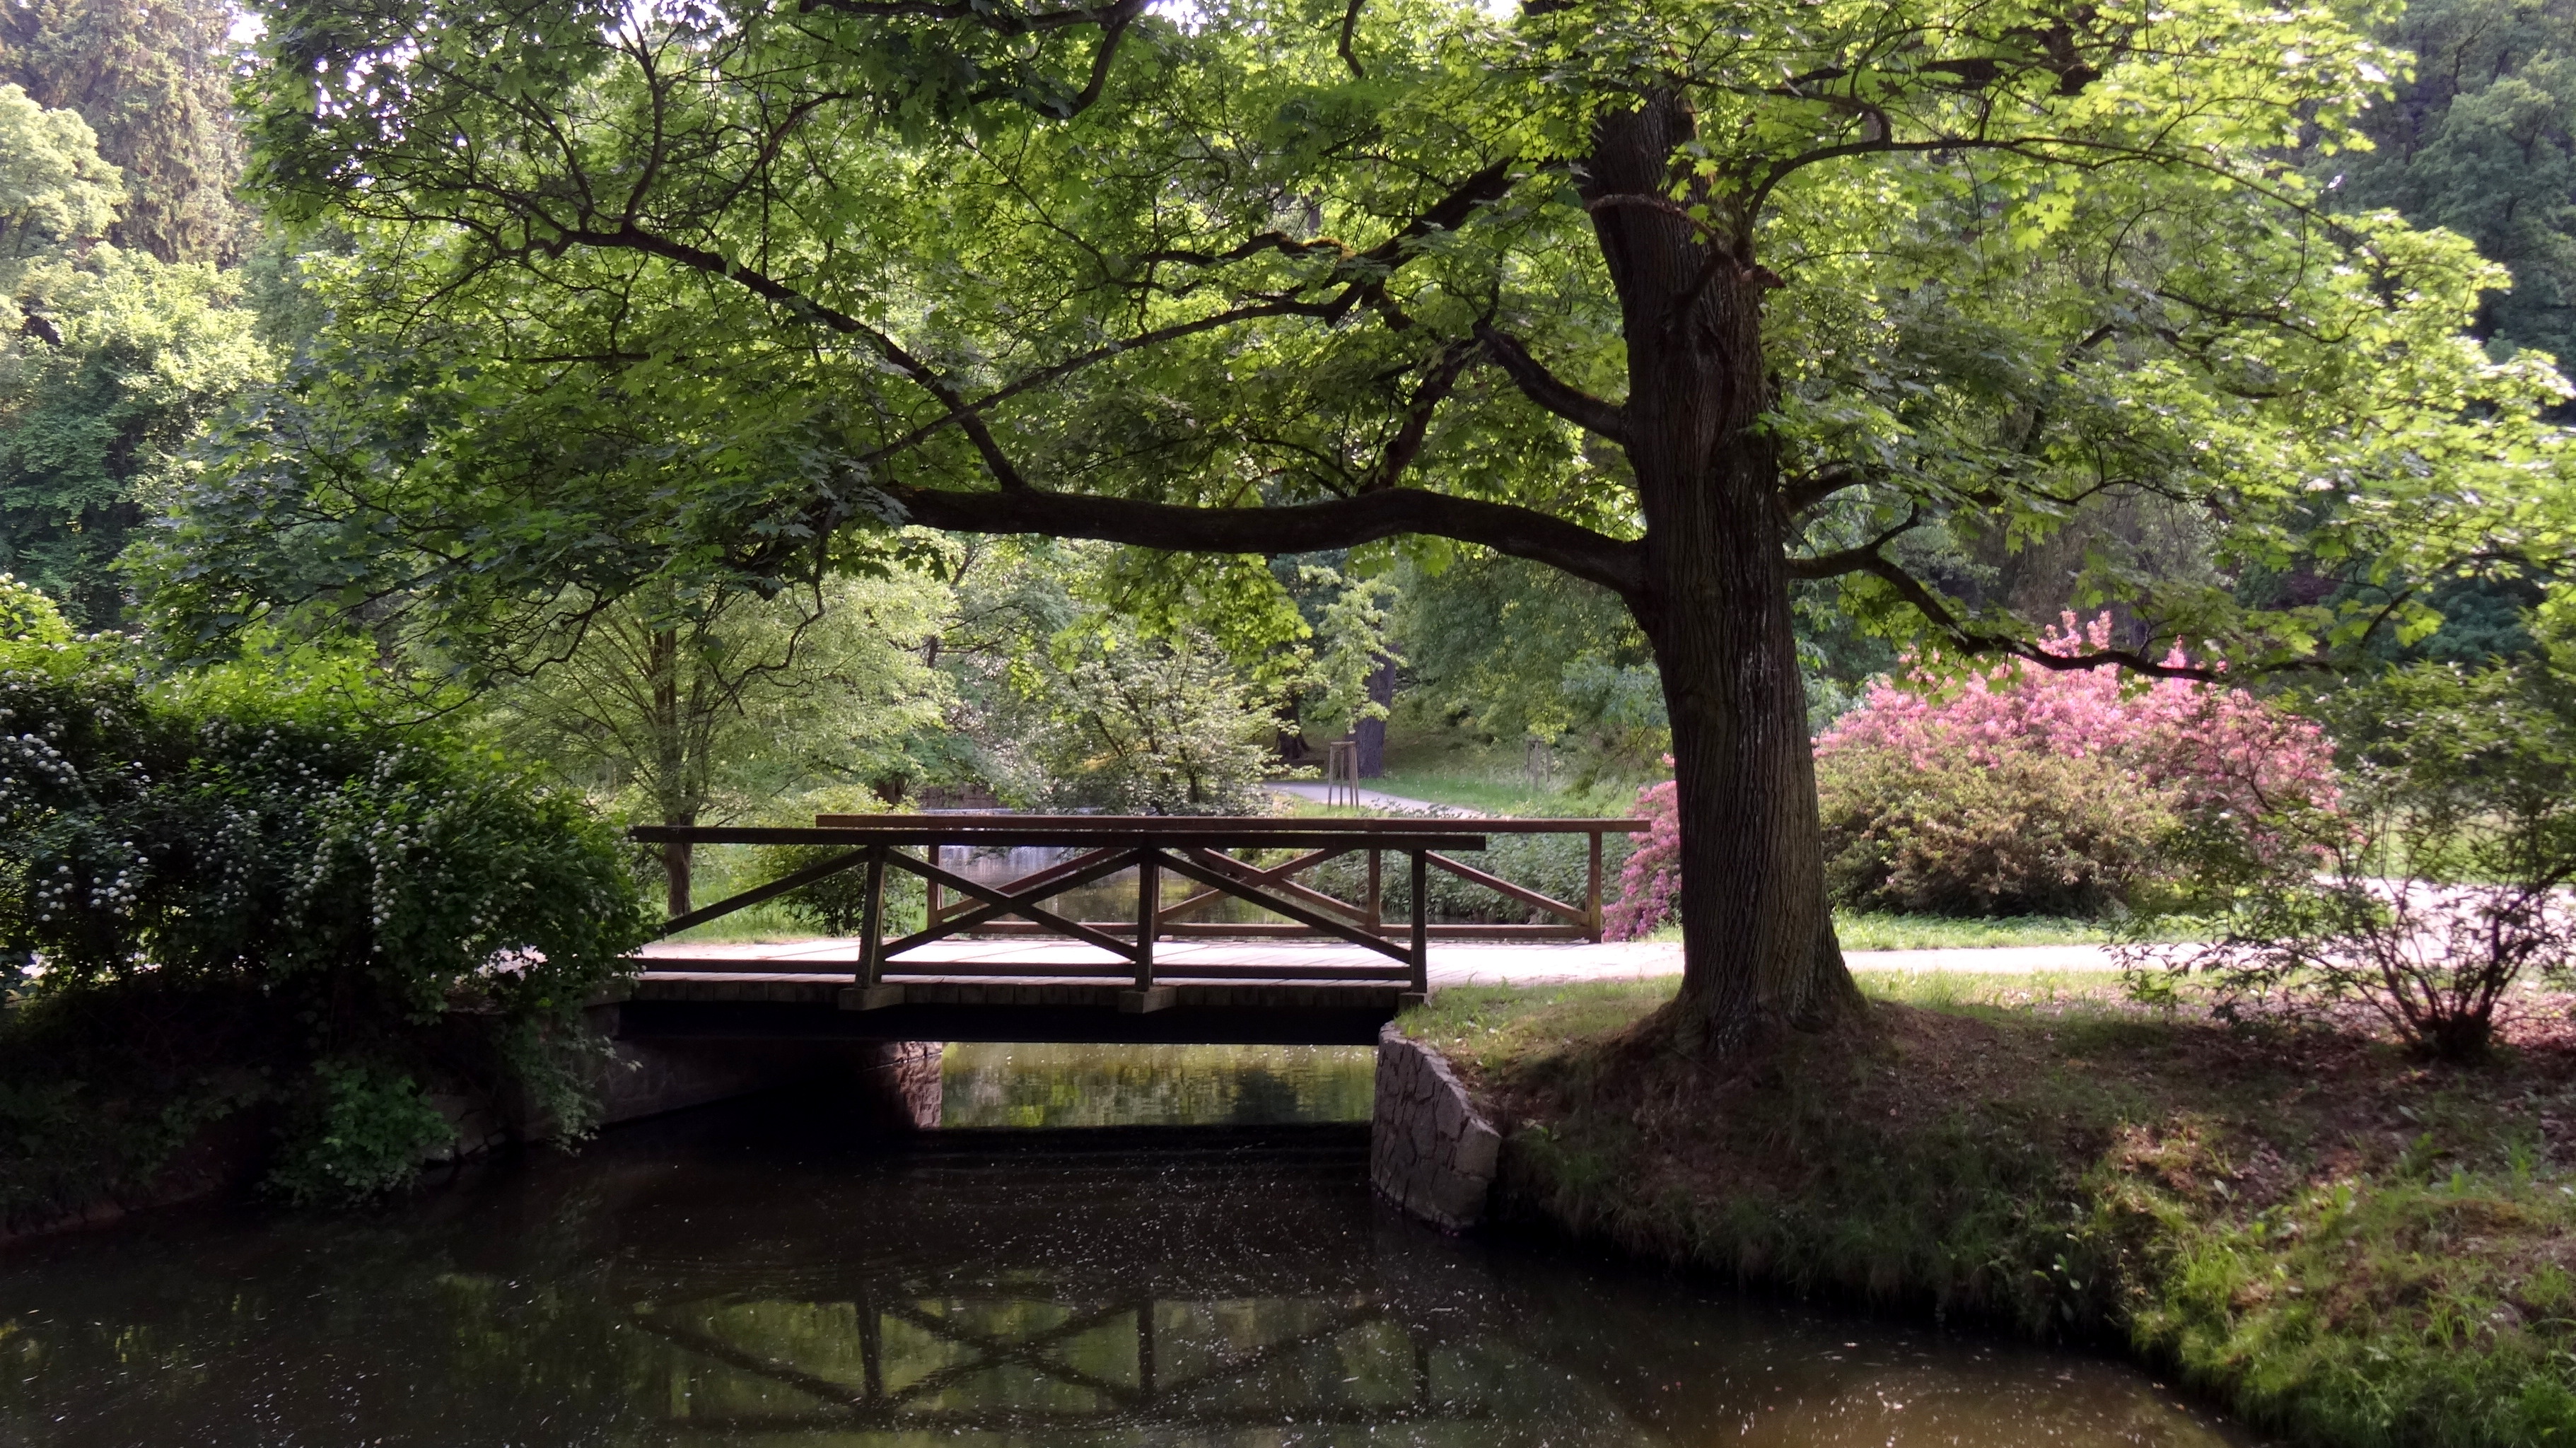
<point x="33" y="754"/>
<point x="61" y="892"/>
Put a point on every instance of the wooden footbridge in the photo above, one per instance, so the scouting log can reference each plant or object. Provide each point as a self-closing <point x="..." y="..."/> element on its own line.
<point x="994" y="961"/>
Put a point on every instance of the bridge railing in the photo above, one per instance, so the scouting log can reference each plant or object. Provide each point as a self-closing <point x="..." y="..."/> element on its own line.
<point x="1552" y="919"/>
<point x="1199" y="850"/>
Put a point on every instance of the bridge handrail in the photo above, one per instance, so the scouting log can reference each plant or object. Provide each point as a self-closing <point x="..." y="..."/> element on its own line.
<point x="1203" y="831"/>
<point x="1323" y="824"/>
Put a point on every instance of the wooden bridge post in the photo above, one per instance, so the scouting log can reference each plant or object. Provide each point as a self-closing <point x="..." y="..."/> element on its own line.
<point x="1419" y="957"/>
<point x="1147" y="925"/>
<point x="1592" y="888"/>
<point x="1147" y="996"/>
<point x="872" y="993"/>
<point x="872" y="920"/>
<point x="1375" y="916"/>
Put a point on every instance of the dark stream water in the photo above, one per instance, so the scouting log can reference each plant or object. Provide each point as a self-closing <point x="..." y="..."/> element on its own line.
<point x="755" y="1274"/>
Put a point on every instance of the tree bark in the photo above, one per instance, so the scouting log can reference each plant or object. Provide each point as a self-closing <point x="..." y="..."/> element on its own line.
<point x="1759" y="950"/>
<point x="676" y="869"/>
<point x="662" y="662"/>
<point x="1370" y="734"/>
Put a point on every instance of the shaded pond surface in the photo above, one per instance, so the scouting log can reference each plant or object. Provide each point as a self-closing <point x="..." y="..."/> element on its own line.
<point x="758" y="1274"/>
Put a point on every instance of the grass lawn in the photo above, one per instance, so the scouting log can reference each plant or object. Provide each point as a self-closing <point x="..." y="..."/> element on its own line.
<point x="1502" y="794"/>
<point x="1869" y="930"/>
<point x="717" y="871"/>
<point x="1446" y="768"/>
<point x="2334" y="1240"/>
<point x="1872" y="931"/>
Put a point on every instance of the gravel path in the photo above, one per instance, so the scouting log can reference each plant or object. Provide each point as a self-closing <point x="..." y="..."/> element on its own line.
<point x="1453" y="962"/>
<point x="1314" y="793"/>
<point x="1547" y="964"/>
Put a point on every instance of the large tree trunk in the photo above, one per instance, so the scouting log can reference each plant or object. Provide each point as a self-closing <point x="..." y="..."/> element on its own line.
<point x="1371" y="733"/>
<point x="1758" y="944"/>
<point x="677" y="867"/>
<point x="670" y="765"/>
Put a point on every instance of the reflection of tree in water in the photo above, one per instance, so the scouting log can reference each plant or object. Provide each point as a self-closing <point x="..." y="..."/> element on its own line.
<point x="1074" y="1085"/>
<point x="1261" y="1098"/>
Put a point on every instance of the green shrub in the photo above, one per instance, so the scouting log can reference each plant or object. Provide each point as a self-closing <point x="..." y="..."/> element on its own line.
<point x="837" y="903"/>
<point x="1553" y="865"/>
<point x="362" y="1128"/>
<point x="2026" y="832"/>
<point x="336" y="884"/>
<point x="2433" y="887"/>
<point x="1126" y="723"/>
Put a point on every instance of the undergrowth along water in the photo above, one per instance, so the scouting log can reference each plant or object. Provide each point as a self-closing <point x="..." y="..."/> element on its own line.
<point x="2315" y="1229"/>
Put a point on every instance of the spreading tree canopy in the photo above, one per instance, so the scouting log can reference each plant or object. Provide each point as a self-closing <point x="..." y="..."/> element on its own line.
<point x="2482" y="140"/>
<point x="153" y="79"/>
<point x="1688" y="298"/>
<point x="110" y="361"/>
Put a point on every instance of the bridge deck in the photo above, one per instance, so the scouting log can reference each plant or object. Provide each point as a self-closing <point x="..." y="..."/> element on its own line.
<point x="1019" y="960"/>
<point x="1024" y="989"/>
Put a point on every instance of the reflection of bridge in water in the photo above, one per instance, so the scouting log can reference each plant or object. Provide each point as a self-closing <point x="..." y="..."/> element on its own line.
<point x="1043" y="1319"/>
<point x="1012" y="1363"/>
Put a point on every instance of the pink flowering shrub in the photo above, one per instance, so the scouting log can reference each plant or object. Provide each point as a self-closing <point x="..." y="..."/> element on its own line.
<point x="2021" y="789"/>
<point x="2215" y="746"/>
<point x="1650" y="884"/>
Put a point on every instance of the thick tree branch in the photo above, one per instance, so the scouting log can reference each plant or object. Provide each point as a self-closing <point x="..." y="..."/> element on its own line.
<point x="1977" y="641"/>
<point x="1350" y="28"/>
<point x="1551" y="392"/>
<point x="1797" y="497"/>
<point x="1854" y="560"/>
<point x="1407" y="442"/>
<point x="1113" y="28"/>
<point x="1278" y="241"/>
<point x="1447" y="214"/>
<point x="1113" y="21"/>
<point x="1293" y="528"/>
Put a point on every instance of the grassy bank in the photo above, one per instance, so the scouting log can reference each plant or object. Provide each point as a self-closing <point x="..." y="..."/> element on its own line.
<point x="1504" y="794"/>
<point x="1877" y="930"/>
<point x="2328" y="1237"/>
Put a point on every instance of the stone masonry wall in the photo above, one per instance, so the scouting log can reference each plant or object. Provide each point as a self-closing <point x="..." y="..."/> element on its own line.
<point x="1429" y="1152"/>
